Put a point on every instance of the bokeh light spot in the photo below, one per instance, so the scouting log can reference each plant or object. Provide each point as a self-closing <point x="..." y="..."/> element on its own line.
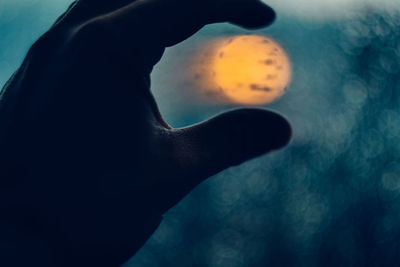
<point x="246" y="70"/>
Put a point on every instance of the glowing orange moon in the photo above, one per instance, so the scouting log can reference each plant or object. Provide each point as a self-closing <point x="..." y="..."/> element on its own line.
<point x="248" y="69"/>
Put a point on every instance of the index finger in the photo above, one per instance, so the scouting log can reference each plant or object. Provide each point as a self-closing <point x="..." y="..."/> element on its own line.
<point x="171" y="22"/>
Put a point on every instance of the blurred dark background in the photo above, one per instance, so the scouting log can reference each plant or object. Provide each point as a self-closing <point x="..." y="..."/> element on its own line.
<point x="332" y="197"/>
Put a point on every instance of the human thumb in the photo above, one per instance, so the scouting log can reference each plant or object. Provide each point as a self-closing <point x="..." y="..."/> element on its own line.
<point x="229" y="139"/>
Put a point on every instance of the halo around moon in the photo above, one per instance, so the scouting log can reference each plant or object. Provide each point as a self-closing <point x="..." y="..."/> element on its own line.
<point x="244" y="69"/>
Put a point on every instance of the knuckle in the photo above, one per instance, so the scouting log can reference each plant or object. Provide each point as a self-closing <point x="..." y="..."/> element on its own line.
<point x="91" y="38"/>
<point x="90" y="31"/>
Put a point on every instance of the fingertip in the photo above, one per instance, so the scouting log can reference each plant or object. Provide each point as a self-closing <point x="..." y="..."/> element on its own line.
<point x="265" y="131"/>
<point x="282" y="133"/>
<point x="254" y="16"/>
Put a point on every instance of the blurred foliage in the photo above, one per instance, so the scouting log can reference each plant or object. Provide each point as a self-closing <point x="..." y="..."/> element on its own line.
<point x="332" y="198"/>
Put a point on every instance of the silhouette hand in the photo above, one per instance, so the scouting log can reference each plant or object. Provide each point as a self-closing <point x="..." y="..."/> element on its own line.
<point x="88" y="164"/>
